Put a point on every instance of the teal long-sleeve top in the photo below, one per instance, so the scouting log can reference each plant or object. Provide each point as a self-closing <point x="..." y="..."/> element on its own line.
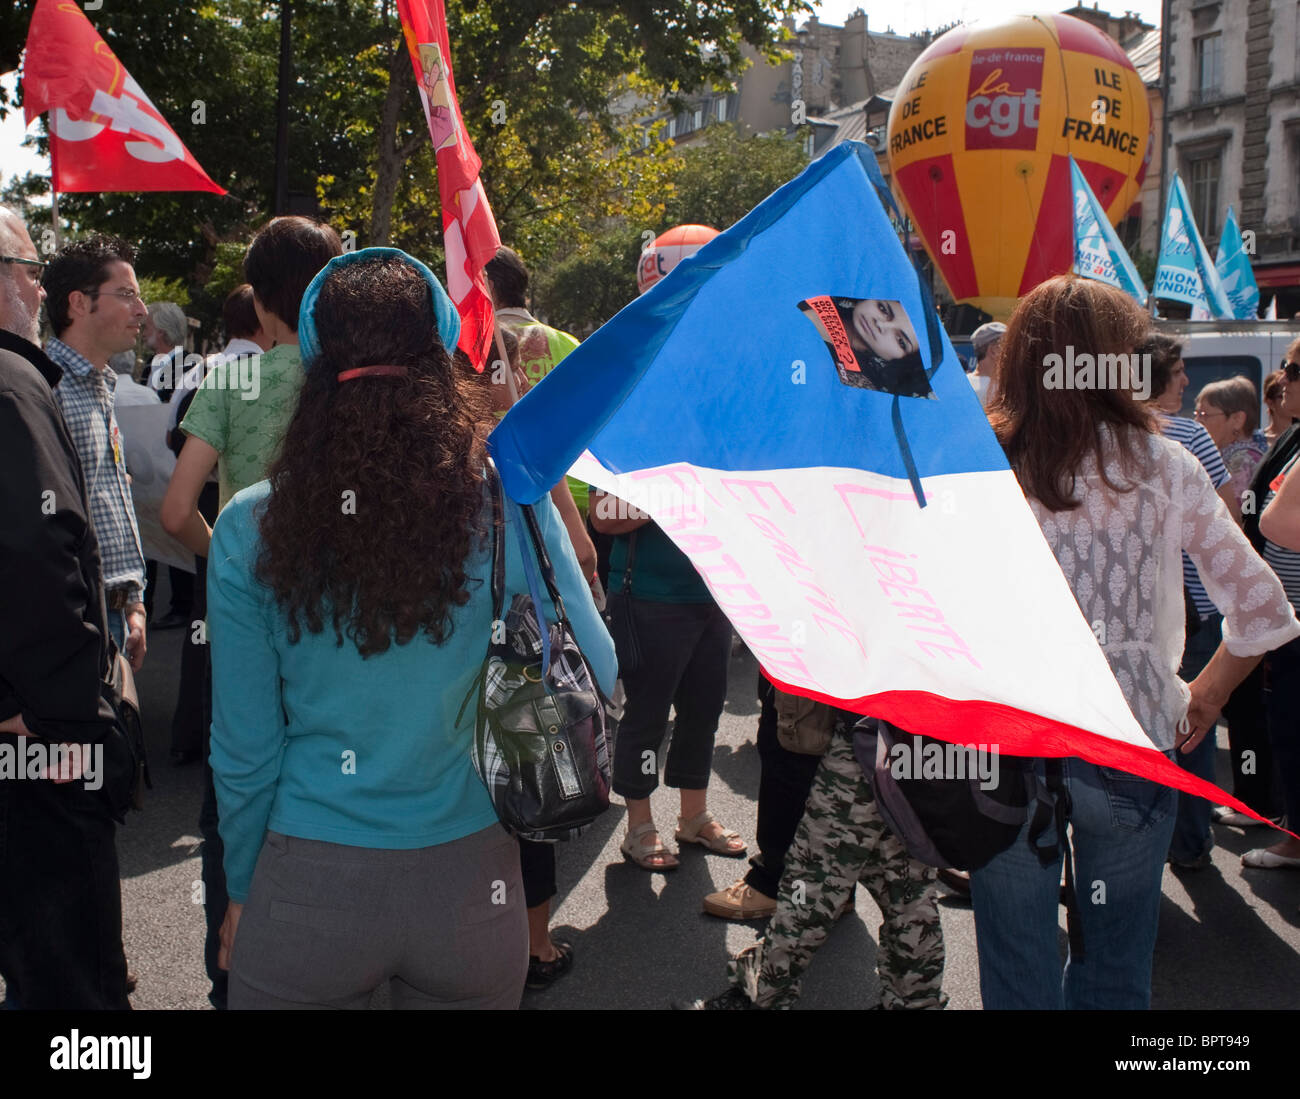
<point x="310" y="740"/>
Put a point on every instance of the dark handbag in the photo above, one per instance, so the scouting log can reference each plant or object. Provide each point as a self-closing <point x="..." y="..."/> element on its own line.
<point x="126" y="764"/>
<point x="541" y="742"/>
<point x="620" y="620"/>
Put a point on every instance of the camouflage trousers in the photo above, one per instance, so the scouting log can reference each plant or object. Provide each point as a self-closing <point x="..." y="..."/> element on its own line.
<point x="843" y="840"/>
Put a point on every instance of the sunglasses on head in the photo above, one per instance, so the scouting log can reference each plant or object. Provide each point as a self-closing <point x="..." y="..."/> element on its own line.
<point x="1292" y="370"/>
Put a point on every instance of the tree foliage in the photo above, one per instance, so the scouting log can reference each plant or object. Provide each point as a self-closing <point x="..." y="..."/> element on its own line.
<point x="714" y="181"/>
<point x="535" y="79"/>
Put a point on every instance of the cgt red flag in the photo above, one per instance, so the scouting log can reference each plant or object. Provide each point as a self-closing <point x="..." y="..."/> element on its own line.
<point x="105" y="134"/>
<point x="468" y="227"/>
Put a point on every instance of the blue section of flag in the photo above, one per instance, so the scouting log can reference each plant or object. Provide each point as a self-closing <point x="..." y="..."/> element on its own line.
<point x="717" y="366"/>
<point x="1233" y="266"/>
<point x="1098" y="253"/>
<point x="1185" y="272"/>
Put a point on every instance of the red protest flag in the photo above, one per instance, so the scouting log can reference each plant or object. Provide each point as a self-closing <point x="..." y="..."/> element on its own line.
<point x="469" y="230"/>
<point x="105" y="133"/>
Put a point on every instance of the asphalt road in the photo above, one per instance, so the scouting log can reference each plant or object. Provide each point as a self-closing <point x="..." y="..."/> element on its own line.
<point x="1228" y="939"/>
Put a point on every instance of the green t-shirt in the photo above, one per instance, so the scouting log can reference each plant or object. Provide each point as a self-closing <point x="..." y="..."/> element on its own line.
<point x="246" y="433"/>
<point x="541" y="348"/>
<point x="661" y="572"/>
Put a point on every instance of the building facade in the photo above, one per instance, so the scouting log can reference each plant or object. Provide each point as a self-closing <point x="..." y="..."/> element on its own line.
<point x="1233" y="127"/>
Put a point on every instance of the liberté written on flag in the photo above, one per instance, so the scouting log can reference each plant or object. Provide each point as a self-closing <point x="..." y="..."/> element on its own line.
<point x="469" y="230"/>
<point x="105" y="132"/>
<point x="785" y="405"/>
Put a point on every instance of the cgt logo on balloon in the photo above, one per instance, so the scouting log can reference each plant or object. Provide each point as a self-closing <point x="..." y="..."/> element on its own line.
<point x="1002" y="99"/>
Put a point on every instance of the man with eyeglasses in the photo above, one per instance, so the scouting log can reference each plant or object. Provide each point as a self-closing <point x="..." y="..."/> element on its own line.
<point x="60" y="897"/>
<point x="94" y="307"/>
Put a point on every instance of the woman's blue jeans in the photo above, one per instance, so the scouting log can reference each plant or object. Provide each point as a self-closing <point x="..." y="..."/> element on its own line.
<point x="1121" y="826"/>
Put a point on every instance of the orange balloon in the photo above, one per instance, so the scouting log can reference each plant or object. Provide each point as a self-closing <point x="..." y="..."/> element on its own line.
<point x="980" y="135"/>
<point x="668" y="250"/>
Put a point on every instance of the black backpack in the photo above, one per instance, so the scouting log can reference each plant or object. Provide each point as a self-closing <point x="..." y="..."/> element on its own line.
<point x="947" y="816"/>
<point x="934" y="798"/>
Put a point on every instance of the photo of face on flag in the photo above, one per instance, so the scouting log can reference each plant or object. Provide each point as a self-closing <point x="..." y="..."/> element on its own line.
<point x="872" y="343"/>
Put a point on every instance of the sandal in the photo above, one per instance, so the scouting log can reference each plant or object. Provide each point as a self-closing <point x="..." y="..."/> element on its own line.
<point x="544" y="974"/>
<point x="641" y="853"/>
<point x="688" y="831"/>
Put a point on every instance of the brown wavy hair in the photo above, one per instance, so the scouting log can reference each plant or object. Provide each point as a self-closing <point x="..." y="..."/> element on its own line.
<point x="409" y="448"/>
<point x="1050" y="434"/>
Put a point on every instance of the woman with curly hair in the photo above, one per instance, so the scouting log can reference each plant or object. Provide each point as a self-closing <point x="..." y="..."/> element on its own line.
<point x="350" y="612"/>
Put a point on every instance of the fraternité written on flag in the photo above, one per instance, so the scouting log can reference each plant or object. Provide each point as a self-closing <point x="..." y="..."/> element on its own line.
<point x="786" y="408"/>
<point x="469" y="230"/>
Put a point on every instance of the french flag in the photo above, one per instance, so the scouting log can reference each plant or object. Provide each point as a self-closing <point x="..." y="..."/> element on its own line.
<point x="787" y="408"/>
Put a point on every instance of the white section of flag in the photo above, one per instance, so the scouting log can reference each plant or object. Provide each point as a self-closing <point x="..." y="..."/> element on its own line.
<point x="838" y="582"/>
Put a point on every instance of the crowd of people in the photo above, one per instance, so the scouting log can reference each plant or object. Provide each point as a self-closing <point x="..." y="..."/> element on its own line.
<point x="341" y="524"/>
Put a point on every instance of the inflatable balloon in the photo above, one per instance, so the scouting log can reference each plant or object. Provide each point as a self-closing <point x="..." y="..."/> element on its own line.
<point x="980" y="135"/>
<point x="669" y="248"/>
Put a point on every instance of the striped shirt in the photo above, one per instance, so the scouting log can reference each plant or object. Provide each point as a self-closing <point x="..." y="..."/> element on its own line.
<point x="86" y="396"/>
<point x="1196" y="439"/>
<point x="1284" y="562"/>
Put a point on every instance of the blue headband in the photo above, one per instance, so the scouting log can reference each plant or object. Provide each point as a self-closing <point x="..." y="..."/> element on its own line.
<point x="443" y="310"/>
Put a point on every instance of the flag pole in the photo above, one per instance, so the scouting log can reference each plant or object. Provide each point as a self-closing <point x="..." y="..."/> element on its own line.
<point x="505" y="362"/>
<point x="54" y="180"/>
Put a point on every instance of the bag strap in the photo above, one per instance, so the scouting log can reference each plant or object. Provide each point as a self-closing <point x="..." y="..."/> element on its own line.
<point x="631" y="561"/>
<point x="498" y="544"/>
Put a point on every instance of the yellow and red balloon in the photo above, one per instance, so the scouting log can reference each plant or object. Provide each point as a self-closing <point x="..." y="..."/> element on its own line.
<point x="980" y="135"/>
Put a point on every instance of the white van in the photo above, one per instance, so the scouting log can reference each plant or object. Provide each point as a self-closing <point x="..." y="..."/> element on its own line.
<point x="1214" y="350"/>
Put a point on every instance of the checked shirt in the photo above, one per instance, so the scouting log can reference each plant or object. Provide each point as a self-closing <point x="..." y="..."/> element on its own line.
<point x="86" y="397"/>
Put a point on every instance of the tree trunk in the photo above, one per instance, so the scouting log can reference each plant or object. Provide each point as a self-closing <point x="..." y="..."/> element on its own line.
<point x="393" y="153"/>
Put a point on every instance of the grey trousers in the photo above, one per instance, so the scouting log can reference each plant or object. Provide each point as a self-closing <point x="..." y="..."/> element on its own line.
<point x="325" y="925"/>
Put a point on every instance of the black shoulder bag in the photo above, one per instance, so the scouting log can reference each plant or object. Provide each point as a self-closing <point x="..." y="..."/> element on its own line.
<point x="541" y="736"/>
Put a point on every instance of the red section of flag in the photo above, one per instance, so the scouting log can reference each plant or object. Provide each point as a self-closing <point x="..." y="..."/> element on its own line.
<point x="469" y="230"/>
<point x="1013" y="732"/>
<point x="105" y="133"/>
<point x="1051" y="252"/>
<point x="935" y="205"/>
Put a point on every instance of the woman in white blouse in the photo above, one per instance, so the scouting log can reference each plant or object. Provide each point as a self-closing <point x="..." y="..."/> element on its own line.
<point x="1118" y="503"/>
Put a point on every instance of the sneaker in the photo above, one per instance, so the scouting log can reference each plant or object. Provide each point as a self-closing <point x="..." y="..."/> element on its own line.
<point x="731" y="1000"/>
<point x="544" y="974"/>
<point x="1230" y="817"/>
<point x="740" y="901"/>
